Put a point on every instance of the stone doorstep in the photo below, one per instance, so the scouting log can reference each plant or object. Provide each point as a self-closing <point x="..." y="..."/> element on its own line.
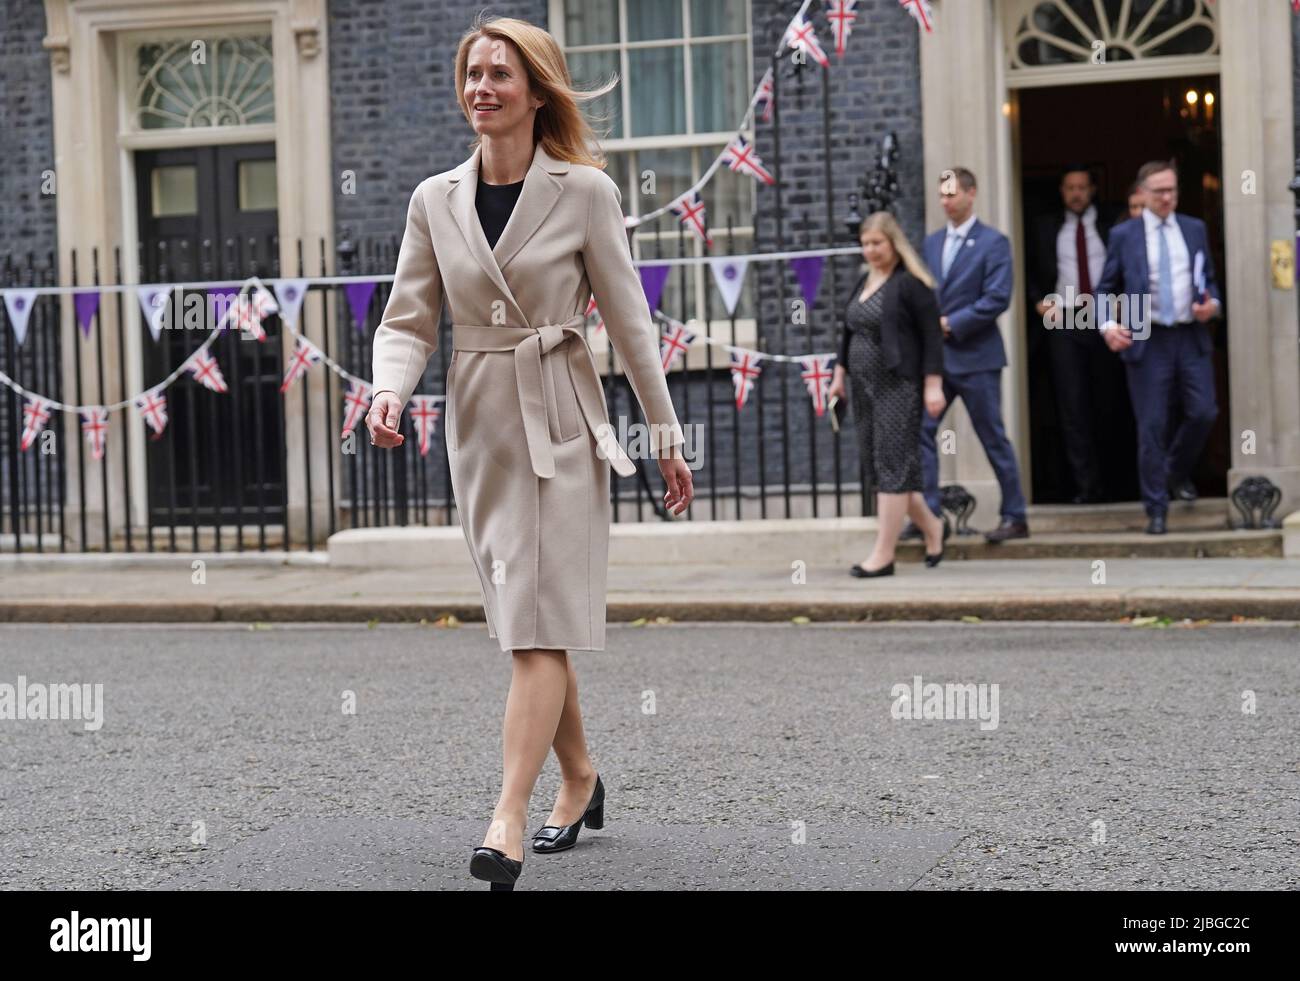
<point x="838" y="541"/>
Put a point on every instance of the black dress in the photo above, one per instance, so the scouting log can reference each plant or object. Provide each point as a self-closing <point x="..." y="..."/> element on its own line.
<point x="886" y="406"/>
<point x="494" y="203"/>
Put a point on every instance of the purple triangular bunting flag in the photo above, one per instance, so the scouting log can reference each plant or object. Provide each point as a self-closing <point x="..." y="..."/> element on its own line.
<point x="653" y="279"/>
<point x="809" y="271"/>
<point x="359" y="295"/>
<point x="86" y="304"/>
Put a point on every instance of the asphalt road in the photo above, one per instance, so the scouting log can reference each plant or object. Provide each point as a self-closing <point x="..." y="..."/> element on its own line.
<point x="734" y="756"/>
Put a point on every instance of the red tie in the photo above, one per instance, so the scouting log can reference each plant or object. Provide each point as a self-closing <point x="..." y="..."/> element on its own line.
<point x="1081" y="253"/>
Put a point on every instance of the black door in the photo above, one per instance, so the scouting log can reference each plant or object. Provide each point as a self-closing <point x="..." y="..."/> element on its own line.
<point x="208" y="213"/>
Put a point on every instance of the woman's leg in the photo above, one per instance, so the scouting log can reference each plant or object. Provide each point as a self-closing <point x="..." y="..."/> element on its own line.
<point x="890" y="509"/>
<point x="577" y="774"/>
<point x="925" y="519"/>
<point x="537" y="689"/>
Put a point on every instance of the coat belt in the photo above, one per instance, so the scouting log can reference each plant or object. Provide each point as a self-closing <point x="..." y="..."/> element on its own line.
<point x="529" y="344"/>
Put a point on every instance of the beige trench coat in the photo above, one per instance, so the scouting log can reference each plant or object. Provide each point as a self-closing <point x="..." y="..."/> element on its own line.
<point x="526" y="427"/>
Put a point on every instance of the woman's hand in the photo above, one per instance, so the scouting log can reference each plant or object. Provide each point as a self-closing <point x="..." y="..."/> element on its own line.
<point x="836" y="390"/>
<point x="677" y="476"/>
<point x="935" y="403"/>
<point x="382" y="420"/>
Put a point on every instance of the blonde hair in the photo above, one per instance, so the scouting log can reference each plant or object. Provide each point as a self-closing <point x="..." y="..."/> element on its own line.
<point x="559" y="124"/>
<point x="887" y="225"/>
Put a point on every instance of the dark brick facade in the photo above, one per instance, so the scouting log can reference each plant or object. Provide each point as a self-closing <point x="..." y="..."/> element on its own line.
<point x="27" y="217"/>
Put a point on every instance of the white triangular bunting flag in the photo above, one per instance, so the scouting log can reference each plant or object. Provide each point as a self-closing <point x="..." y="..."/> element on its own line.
<point x="203" y="366"/>
<point x="290" y="293"/>
<point x="729" y="274"/>
<point x="153" y="303"/>
<point x="19" y="304"/>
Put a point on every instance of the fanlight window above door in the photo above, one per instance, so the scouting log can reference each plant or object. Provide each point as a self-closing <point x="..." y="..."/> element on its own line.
<point x="1071" y="32"/>
<point x="189" y="83"/>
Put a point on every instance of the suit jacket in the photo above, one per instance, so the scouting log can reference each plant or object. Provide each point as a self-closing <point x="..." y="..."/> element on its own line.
<point x="526" y="427"/>
<point x="1127" y="275"/>
<point x="910" y="335"/>
<point x="975" y="292"/>
<point x="1040" y="267"/>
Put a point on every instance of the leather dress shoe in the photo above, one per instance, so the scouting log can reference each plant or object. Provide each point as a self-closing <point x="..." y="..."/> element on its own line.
<point x="496" y="867"/>
<point x="932" y="560"/>
<point x="861" y="573"/>
<point x="550" y="838"/>
<point x="1184" y="490"/>
<point x="1156" y="525"/>
<point x="1008" y="529"/>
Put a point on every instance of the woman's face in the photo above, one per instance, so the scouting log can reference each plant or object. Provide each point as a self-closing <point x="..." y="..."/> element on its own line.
<point x="877" y="249"/>
<point x="496" y="88"/>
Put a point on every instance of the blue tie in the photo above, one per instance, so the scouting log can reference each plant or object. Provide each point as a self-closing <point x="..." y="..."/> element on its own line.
<point x="950" y="251"/>
<point x="1166" y="280"/>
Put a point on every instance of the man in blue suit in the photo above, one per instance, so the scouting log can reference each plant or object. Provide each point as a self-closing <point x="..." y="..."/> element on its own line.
<point x="972" y="263"/>
<point x="1159" y="267"/>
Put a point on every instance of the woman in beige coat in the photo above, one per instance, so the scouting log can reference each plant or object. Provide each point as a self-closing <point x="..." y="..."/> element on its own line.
<point x="527" y="433"/>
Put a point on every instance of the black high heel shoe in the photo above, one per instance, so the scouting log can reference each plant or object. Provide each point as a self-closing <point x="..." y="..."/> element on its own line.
<point x="550" y="838"/>
<point x="932" y="560"/>
<point x="496" y="867"/>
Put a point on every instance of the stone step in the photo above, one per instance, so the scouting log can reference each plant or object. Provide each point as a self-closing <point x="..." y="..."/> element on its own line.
<point x="1111" y="545"/>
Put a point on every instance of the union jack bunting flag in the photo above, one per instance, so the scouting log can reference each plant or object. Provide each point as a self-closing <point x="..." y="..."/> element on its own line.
<point x="591" y="309"/>
<point x="921" y="13"/>
<point x="741" y="158"/>
<point x="673" y="342"/>
<point x="841" y="14"/>
<point x="152" y="405"/>
<point x="816" y="377"/>
<point x="355" y="403"/>
<point x="801" y="36"/>
<point x="247" y="319"/>
<point x="744" y="369"/>
<point x="36" y="413"/>
<point x="765" y="99"/>
<point x="264" y="303"/>
<point x="305" y="354"/>
<point x="689" y="209"/>
<point x="94" y="423"/>
<point x="203" y="366"/>
<point x="424" y="415"/>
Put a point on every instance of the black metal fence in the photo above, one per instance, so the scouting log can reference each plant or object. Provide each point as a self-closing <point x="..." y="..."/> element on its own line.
<point x="252" y="468"/>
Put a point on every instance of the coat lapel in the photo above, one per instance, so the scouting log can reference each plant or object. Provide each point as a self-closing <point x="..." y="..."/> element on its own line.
<point x="536" y="201"/>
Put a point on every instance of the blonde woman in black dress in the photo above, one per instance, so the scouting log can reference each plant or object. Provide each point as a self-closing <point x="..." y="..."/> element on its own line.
<point x="892" y="348"/>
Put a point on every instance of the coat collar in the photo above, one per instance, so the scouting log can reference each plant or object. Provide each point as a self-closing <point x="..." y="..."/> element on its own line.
<point x="540" y="192"/>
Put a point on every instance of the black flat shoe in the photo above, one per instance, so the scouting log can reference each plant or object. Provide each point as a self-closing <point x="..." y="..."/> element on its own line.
<point x="861" y="573"/>
<point x="495" y="867"/>
<point x="932" y="560"/>
<point x="550" y="838"/>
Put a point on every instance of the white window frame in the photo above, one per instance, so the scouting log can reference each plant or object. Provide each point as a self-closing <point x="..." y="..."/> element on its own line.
<point x="705" y="147"/>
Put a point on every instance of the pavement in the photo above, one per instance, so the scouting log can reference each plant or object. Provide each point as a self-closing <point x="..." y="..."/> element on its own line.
<point x="745" y="756"/>
<point x="304" y="587"/>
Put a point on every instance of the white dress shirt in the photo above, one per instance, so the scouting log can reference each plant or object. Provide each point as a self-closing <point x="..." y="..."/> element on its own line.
<point x="961" y="230"/>
<point x="1179" y="259"/>
<point x="1067" y="263"/>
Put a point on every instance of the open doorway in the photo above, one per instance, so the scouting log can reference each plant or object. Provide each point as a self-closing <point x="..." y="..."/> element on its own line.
<point x="1113" y="128"/>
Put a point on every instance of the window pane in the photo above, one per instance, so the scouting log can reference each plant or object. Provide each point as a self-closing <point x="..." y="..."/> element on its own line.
<point x="653" y="20"/>
<point x="617" y="168"/>
<point x="257" y="185"/>
<point x="589" y="70"/>
<point x="717" y="17"/>
<point x="231" y="86"/>
<point x="720" y="79"/>
<point x="657" y="89"/>
<point x="669" y="175"/>
<point x="590" y="21"/>
<point x="175" y="191"/>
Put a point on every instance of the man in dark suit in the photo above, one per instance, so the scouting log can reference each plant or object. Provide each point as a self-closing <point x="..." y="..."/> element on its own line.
<point x="1161" y="264"/>
<point x="1068" y="251"/>
<point x="972" y="263"/>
